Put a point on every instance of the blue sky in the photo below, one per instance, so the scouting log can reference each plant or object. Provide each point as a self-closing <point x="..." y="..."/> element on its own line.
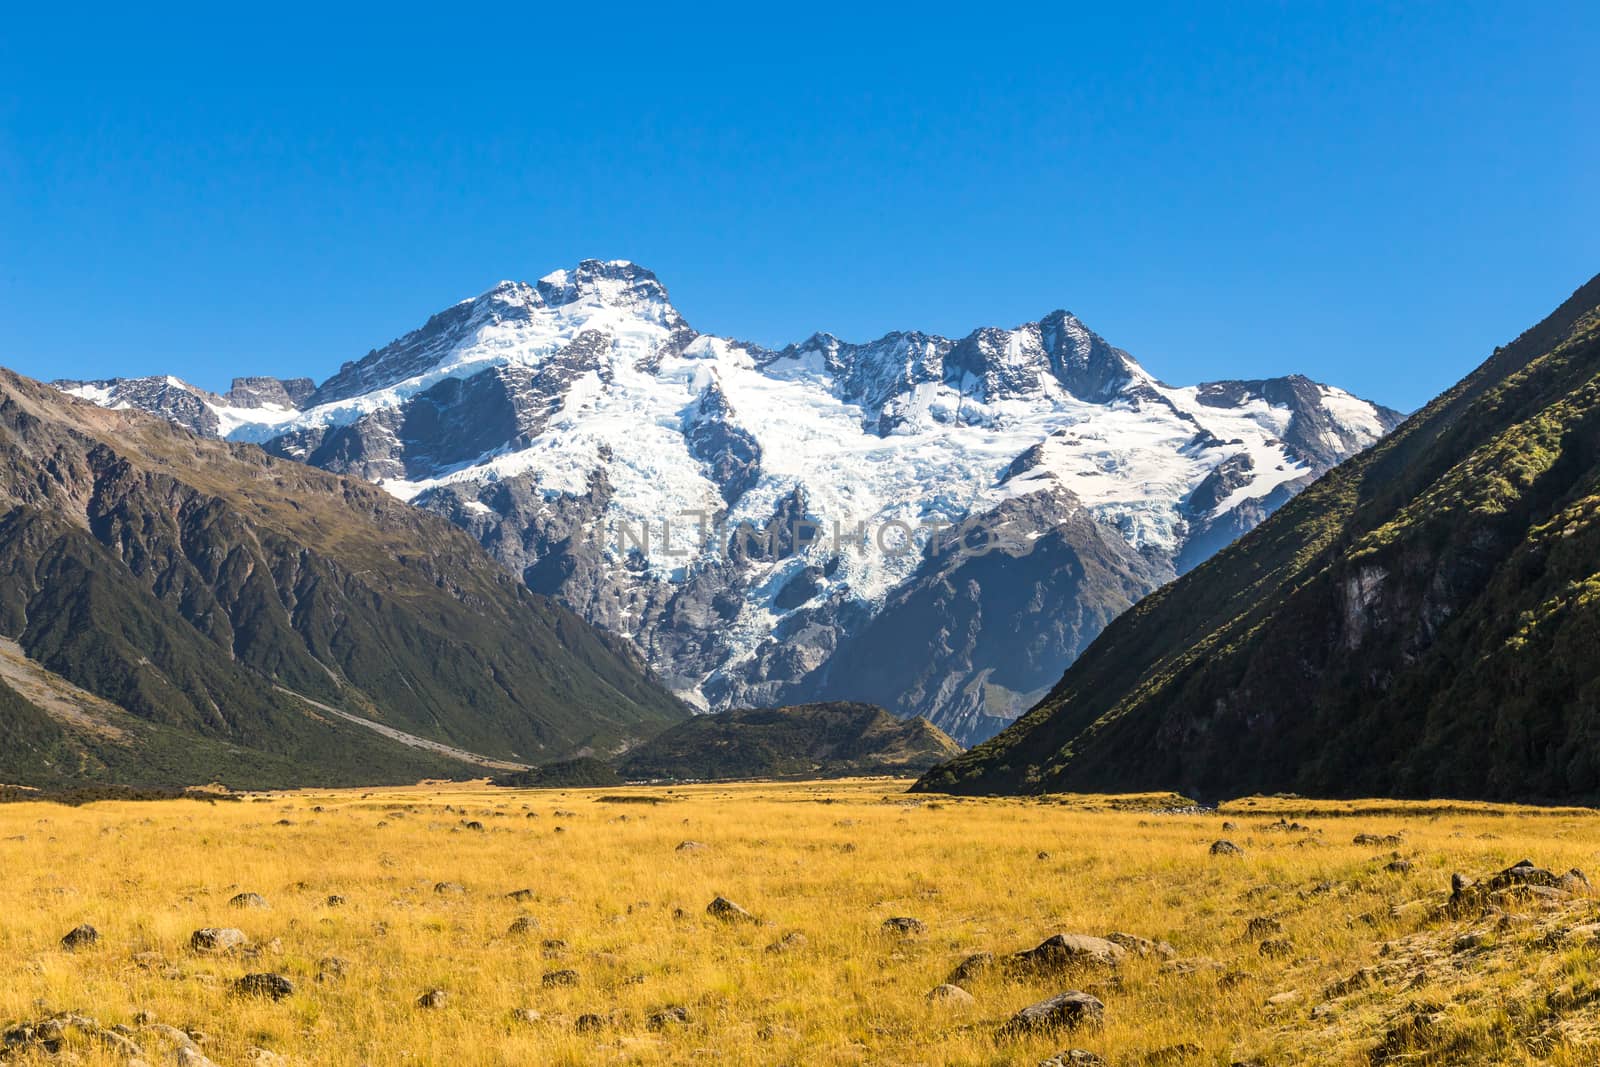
<point x="1374" y="195"/>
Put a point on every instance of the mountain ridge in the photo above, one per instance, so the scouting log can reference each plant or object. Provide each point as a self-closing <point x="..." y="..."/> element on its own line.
<point x="1412" y="624"/>
<point x="188" y="582"/>
<point x="555" y="421"/>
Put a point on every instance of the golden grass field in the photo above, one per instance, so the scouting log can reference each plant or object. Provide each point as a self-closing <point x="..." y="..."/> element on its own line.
<point x="1516" y="983"/>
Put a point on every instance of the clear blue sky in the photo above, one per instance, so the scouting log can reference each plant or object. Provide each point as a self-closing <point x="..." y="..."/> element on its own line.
<point x="1373" y="195"/>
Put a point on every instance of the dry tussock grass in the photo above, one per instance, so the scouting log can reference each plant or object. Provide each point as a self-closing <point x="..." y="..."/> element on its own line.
<point x="831" y="861"/>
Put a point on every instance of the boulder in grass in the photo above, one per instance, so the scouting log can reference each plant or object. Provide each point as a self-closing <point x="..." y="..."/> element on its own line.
<point x="1071" y="1010"/>
<point x="79" y="937"/>
<point x="727" y="911"/>
<point x="271" y="986"/>
<point x="216" y="939"/>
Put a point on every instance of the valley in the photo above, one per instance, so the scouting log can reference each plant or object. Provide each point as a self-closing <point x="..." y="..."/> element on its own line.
<point x="467" y="924"/>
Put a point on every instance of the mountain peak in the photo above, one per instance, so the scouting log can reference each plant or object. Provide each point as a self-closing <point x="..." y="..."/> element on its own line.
<point x="616" y="283"/>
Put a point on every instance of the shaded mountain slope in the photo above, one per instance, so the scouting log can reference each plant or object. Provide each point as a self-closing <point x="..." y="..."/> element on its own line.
<point x="187" y="582"/>
<point x="807" y="740"/>
<point x="1420" y="621"/>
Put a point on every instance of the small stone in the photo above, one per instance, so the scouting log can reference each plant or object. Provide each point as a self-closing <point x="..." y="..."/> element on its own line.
<point x="247" y="900"/>
<point x="557" y="979"/>
<point x="449" y="889"/>
<point x="335" y="901"/>
<point x="1276" y="948"/>
<point x="1225" y="848"/>
<point x="904" y="926"/>
<point x="83" y="936"/>
<point x="950" y="996"/>
<point x="217" y="939"/>
<point x="1143" y="947"/>
<point x="1262" y="926"/>
<point x="669" y="1016"/>
<point x="522" y="925"/>
<point x="970" y="968"/>
<point x="1073" y="1057"/>
<point x="789" y="942"/>
<point x="275" y="986"/>
<point x="526" y="1016"/>
<point x="690" y="846"/>
<point x="520" y="895"/>
<point x="727" y="911"/>
<point x="433" y="998"/>
<point x="591" y="1022"/>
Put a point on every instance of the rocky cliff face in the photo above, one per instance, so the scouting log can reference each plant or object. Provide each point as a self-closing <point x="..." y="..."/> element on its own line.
<point x="744" y="515"/>
<point x="1419" y="622"/>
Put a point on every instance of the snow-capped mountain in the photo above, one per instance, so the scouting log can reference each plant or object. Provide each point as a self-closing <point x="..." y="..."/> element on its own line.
<point x="937" y="525"/>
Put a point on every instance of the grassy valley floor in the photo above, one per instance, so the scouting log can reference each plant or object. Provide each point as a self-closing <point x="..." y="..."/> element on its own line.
<point x="1307" y="948"/>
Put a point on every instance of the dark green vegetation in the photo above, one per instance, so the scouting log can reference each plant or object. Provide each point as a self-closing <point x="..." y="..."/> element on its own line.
<point x="1423" y="621"/>
<point x="193" y="585"/>
<point x="806" y="740"/>
<point x="583" y="772"/>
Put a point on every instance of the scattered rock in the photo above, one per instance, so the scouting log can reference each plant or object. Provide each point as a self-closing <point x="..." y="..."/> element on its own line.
<point x="727" y="911"/>
<point x="1234" y="979"/>
<point x="1073" y="1057"/>
<point x="247" y="900"/>
<point x="669" y="1016"/>
<point x="1142" y="947"/>
<point x="1401" y="866"/>
<point x="334" y="901"/>
<point x="589" y="1022"/>
<point x="522" y="925"/>
<point x="217" y="939"/>
<point x="950" y="996"/>
<point x="274" y="986"/>
<point x="1064" y="1011"/>
<point x="789" y="942"/>
<point x="450" y="889"/>
<point x="970" y="968"/>
<point x="1277" y="948"/>
<point x="520" y="895"/>
<point x="188" y="1056"/>
<point x="690" y="846"/>
<point x="556" y="979"/>
<point x="434" y="998"/>
<point x="1377" y="841"/>
<point x="474" y="825"/>
<point x="332" y="969"/>
<point x="1345" y="986"/>
<point x="82" y="936"/>
<point x="526" y="1016"/>
<point x="1225" y="848"/>
<point x="1262" y="926"/>
<point x="904" y="926"/>
<point x="1065" y="952"/>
